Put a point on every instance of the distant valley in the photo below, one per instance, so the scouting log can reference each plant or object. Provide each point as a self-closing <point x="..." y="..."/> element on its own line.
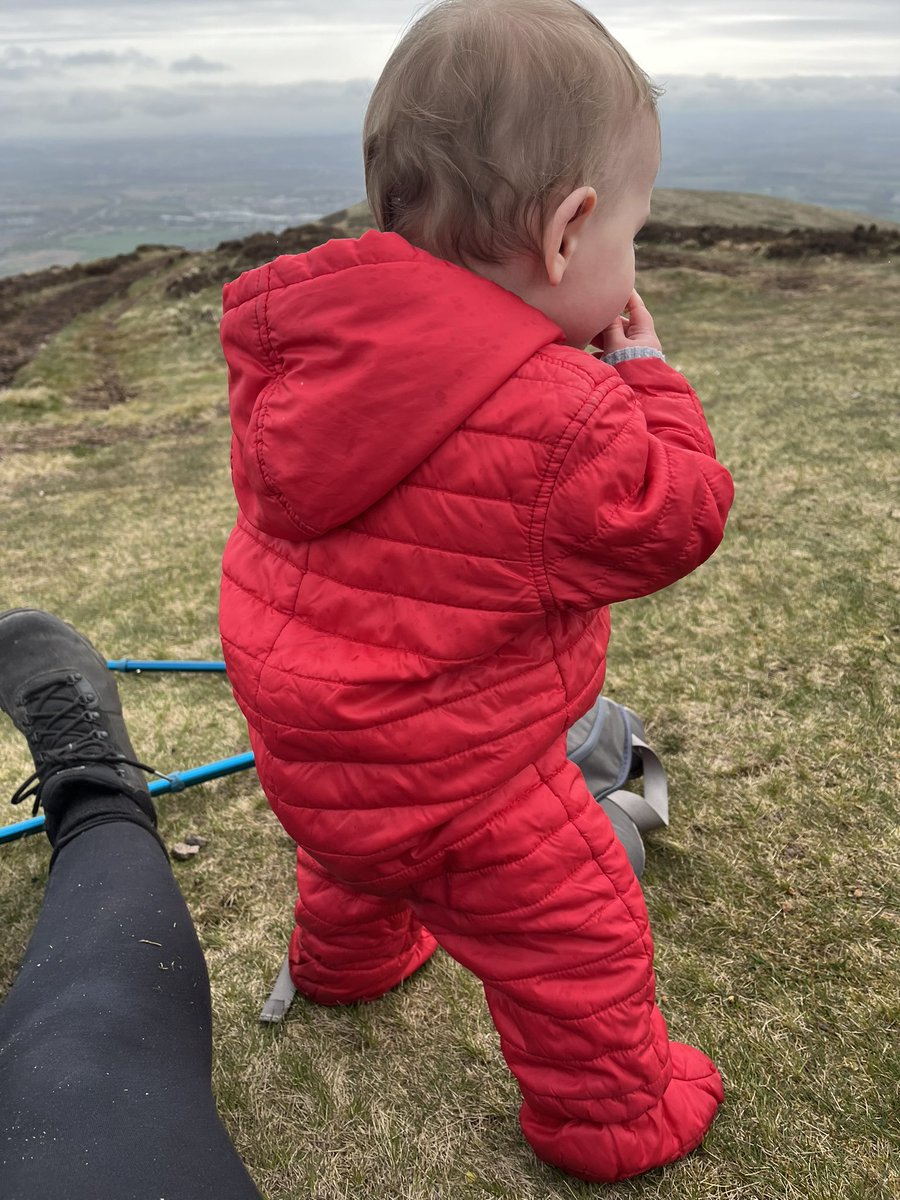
<point x="63" y="202"/>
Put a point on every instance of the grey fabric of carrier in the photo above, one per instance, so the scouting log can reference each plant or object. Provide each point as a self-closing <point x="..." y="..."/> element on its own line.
<point x="608" y="745"/>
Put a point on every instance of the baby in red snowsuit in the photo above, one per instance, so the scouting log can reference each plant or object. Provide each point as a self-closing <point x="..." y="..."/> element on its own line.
<point x="440" y="492"/>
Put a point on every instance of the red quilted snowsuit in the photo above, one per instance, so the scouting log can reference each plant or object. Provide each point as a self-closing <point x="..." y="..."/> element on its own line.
<point x="438" y="500"/>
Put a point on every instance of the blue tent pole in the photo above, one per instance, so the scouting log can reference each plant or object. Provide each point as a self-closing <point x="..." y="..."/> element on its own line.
<point x="136" y="664"/>
<point x="175" y="781"/>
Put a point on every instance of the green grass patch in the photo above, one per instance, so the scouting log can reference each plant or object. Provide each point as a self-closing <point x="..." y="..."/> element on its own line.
<point x="768" y="679"/>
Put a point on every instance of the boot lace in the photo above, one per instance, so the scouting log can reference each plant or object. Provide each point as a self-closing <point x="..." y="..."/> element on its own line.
<point x="58" y="714"/>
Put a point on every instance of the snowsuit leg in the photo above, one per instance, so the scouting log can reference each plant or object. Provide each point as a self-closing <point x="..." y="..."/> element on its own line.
<point x="544" y="907"/>
<point x="349" y="945"/>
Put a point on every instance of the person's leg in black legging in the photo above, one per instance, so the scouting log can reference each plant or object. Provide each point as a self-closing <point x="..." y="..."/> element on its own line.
<point x="105" y="1039"/>
<point x="105" y="1036"/>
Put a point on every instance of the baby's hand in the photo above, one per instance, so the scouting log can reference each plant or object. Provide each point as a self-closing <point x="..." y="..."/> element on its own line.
<point x="634" y="329"/>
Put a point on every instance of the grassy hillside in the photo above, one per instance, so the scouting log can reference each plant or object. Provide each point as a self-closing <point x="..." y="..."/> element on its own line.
<point x="680" y="206"/>
<point x="768" y="680"/>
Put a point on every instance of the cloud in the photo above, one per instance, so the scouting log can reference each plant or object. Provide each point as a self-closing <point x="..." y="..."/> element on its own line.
<point x="197" y="106"/>
<point x="796" y="28"/>
<point x="18" y="63"/>
<point x="401" y="10"/>
<point x="815" y="93"/>
<point x="794" y="16"/>
<point x="158" y="66"/>
<point x="313" y="107"/>
<point x="51" y="20"/>
<point x="105" y="58"/>
<point x="284" y="41"/>
<point x="197" y="65"/>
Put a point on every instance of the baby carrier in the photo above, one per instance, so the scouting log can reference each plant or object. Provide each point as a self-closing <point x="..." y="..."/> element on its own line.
<point x="608" y="744"/>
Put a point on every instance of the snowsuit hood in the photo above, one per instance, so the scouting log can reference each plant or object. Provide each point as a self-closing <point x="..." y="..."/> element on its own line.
<point x="349" y="365"/>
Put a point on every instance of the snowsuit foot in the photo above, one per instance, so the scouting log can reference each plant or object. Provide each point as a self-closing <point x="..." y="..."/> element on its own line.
<point x="663" y="1134"/>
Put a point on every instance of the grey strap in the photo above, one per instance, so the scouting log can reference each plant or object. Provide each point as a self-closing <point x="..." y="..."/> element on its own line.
<point x="279" y="1001"/>
<point x="650" y="811"/>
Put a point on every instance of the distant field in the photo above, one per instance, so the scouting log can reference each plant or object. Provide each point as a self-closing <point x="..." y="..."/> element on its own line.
<point x="63" y="201"/>
<point x="768" y="680"/>
<point x="673" y="206"/>
<point x="85" y="247"/>
<point x="66" y="201"/>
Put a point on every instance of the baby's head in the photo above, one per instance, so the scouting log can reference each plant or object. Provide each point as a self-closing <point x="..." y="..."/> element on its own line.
<point x="517" y="138"/>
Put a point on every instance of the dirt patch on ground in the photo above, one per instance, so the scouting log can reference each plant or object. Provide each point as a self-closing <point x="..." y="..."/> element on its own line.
<point x="230" y="259"/>
<point x="106" y="393"/>
<point x="865" y="241"/>
<point x="26" y="439"/>
<point x="35" y="307"/>
<point x="652" y="257"/>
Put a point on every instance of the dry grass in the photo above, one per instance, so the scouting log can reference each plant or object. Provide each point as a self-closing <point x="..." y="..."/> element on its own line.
<point x="768" y="679"/>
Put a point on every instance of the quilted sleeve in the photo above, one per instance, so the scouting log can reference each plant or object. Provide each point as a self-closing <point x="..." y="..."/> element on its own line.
<point x="636" y="498"/>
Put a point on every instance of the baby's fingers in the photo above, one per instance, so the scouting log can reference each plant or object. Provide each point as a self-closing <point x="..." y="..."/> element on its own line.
<point x="639" y="318"/>
<point x="612" y="337"/>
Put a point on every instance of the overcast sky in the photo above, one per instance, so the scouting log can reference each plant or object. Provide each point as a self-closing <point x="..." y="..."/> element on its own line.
<point x="99" y="67"/>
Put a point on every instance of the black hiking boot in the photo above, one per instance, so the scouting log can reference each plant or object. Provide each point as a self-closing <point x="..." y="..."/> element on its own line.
<point x="61" y="695"/>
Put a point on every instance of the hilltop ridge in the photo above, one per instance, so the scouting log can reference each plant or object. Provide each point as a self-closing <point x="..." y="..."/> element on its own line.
<point x="36" y="306"/>
<point x="683" y="206"/>
<point x="68" y="335"/>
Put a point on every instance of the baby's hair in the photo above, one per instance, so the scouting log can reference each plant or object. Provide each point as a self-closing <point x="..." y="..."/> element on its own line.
<point x="488" y="111"/>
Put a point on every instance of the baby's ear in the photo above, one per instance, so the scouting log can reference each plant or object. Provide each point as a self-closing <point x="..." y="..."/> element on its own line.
<point x="563" y="230"/>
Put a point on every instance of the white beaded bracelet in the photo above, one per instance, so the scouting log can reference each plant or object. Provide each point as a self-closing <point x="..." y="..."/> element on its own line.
<point x="630" y="352"/>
